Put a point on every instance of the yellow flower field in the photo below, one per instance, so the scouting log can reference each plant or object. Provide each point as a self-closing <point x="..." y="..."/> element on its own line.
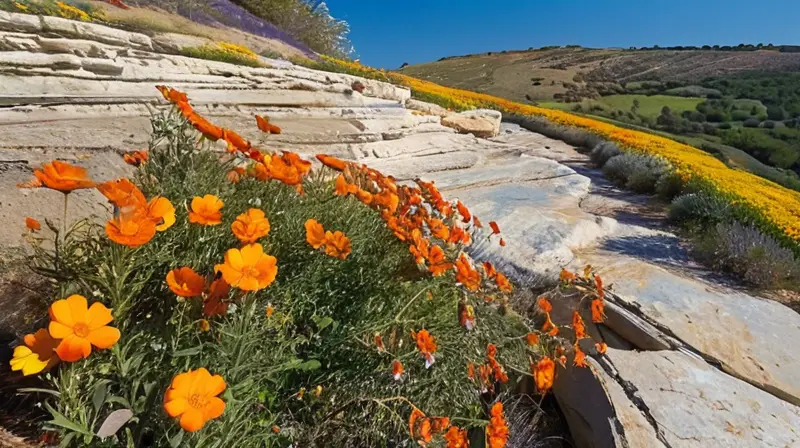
<point x="776" y="205"/>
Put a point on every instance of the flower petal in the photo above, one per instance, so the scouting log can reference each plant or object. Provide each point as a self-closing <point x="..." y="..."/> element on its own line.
<point x="61" y="312"/>
<point x="176" y="407"/>
<point x="104" y="337"/>
<point x="99" y="316"/>
<point x="233" y="258"/>
<point x="78" y="307"/>
<point x="73" y="348"/>
<point x="59" y="330"/>
<point x="192" y="420"/>
<point x="215" y="385"/>
<point x="214" y="409"/>
<point x="251" y="254"/>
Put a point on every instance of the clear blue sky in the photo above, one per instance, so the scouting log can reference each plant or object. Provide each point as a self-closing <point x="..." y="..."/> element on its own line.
<point x="387" y="33"/>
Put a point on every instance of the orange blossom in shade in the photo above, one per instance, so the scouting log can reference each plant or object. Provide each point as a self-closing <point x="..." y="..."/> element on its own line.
<point x="427" y="346"/>
<point x="250" y="226"/>
<point x="598" y="284"/>
<point x="416" y="414"/>
<point x="37" y="355"/>
<point x="466" y="274"/>
<point x="337" y="245"/>
<point x="123" y="194"/>
<point x="578" y="326"/>
<point x="379" y="342"/>
<point x="499" y="372"/>
<point x="544" y="305"/>
<point x="32" y="224"/>
<point x="315" y="233"/>
<point x="80" y="327"/>
<point x="248" y="269"/>
<point x="332" y="162"/>
<point x="503" y="283"/>
<point x="62" y="176"/>
<point x="206" y="210"/>
<point x="192" y="396"/>
<point x="489" y="270"/>
<point x="601" y="347"/>
<point x="532" y="338"/>
<point x="549" y="327"/>
<point x="440" y="424"/>
<point x="466" y="216"/>
<point x="495" y="227"/>
<point x="135" y="158"/>
<point x="580" y="357"/>
<point x="544" y="372"/>
<point x="597" y="311"/>
<point x="342" y="188"/>
<point x="265" y="126"/>
<point x="566" y="276"/>
<point x="185" y="282"/>
<point x="456" y="438"/>
<point x="438" y="264"/>
<point x="215" y="304"/>
<point x="397" y="370"/>
<point x="497" y="431"/>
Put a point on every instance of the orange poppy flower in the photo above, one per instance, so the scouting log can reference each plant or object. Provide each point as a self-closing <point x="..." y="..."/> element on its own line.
<point x="601" y="347"/>
<point x="206" y="210"/>
<point x="424" y="431"/>
<point x="135" y="158"/>
<point x="397" y="370"/>
<point x="466" y="274"/>
<point x="440" y="424"/>
<point x="503" y="283"/>
<point x="332" y="162"/>
<point x="185" y="282"/>
<point x="532" y="339"/>
<point x="549" y="327"/>
<point x="379" y="342"/>
<point x="234" y="176"/>
<point x="269" y="310"/>
<point x="161" y="211"/>
<point x="466" y="216"/>
<point x="566" y="276"/>
<point x="497" y="431"/>
<point x="420" y="247"/>
<point x="342" y="188"/>
<point x="597" y="311"/>
<point x="173" y="95"/>
<point x="439" y="229"/>
<point x="32" y="224"/>
<point x="416" y="414"/>
<point x="250" y="226"/>
<point x="235" y="140"/>
<point x="248" y="269"/>
<point x="580" y="357"/>
<point x="470" y="371"/>
<point x="315" y="234"/>
<point x="499" y="372"/>
<point x="303" y="166"/>
<point x="61" y="176"/>
<point x="337" y="245"/>
<point x="544" y="305"/>
<point x="489" y="270"/>
<point x="203" y="325"/>
<point x="438" y="264"/>
<point x="578" y="326"/>
<point x="485" y="373"/>
<point x="495" y="227"/>
<point x="37" y="355"/>
<point x="466" y="316"/>
<point x="477" y="222"/>
<point x="456" y="438"/>
<point x="132" y="231"/>
<point x="598" y="284"/>
<point x="206" y="128"/>
<point x="192" y="396"/>
<point x="426" y="345"/>
<point x="215" y="304"/>
<point x="545" y="373"/>
<point x="123" y="193"/>
<point x="459" y="235"/>
<point x="502" y="242"/>
<point x="282" y="169"/>
<point x="79" y="327"/>
<point x="387" y="200"/>
<point x="265" y="126"/>
<point x="364" y="196"/>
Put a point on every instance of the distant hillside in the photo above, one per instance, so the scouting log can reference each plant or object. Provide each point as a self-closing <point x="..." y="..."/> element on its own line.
<point x="573" y="73"/>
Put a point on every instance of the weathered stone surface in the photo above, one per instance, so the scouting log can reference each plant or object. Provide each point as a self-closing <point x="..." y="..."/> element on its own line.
<point x="93" y="31"/>
<point x="478" y="123"/>
<point x="696" y="405"/>
<point x="493" y="116"/>
<point x="10" y="21"/>
<point x="427" y="108"/>
<point x="174" y="42"/>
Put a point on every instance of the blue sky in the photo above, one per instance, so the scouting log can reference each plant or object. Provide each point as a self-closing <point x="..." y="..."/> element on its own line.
<point x="387" y="33"/>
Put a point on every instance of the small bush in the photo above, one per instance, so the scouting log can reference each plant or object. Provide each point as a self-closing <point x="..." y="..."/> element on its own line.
<point x="224" y="52"/>
<point x="603" y="152"/>
<point x="769" y="124"/>
<point x="638" y="172"/>
<point x="669" y="185"/>
<point x="751" y="255"/>
<point x="751" y="123"/>
<point x="700" y="207"/>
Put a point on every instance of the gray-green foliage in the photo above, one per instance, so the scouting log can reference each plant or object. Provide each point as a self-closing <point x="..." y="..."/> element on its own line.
<point x="604" y="151"/>
<point x="638" y="172"/>
<point x="700" y="207"/>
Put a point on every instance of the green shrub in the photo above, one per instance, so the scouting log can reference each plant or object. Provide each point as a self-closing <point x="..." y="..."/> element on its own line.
<point x="669" y="185"/>
<point x="603" y="152"/>
<point x="637" y="172"/>
<point x="700" y="207"/>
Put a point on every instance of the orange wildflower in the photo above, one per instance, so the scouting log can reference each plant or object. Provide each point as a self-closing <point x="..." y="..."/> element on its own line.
<point x="497" y="431"/>
<point x="315" y="233"/>
<point x="597" y="311"/>
<point x="439" y="229"/>
<point x="489" y="270"/>
<point x="332" y="162"/>
<point x="124" y="194"/>
<point x="544" y="305"/>
<point x="250" y="226"/>
<point x="544" y="372"/>
<point x="234" y="176"/>
<point x="269" y="310"/>
<point x="235" y="141"/>
<point x="161" y="211"/>
<point x="135" y="158"/>
<point x="549" y="327"/>
<point x="248" y="269"/>
<point x="379" y="342"/>
<point x="470" y="370"/>
<point x="37" y="355"/>
<point x="466" y="316"/>
<point x="466" y="216"/>
<point x="499" y="372"/>
<point x="265" y="126"/>
<point x="580" y="357"/>
<point x="466" y="274"/>
<point x="477" y="222"/>
<point x="185" y="282"/>
<point x="532" y="338"/>
<point x="420" y="247"/>
<point x="424" y="432"/>
<point x="601" y="347"/>
<point x="386" y="200"/>
<point x="578" y="326"/>
<point x="342" y="188"/>
<point x="459" y="235"/>
<point x="206" y="210"/>
<point x="276" y="429"/>
<point x="598" y="284"/>
<point x="566" y="276"/>
<point x="62" y="176"/>
<point x="416" y="414"/>
<point x="426" y="345"/>
<point x="440" y="424"/>
<point x="289" y="168"/>
<point x="131" y="231"/>
<point x="397" y="370"/>
<point x="485" y="373"/>
<point x="215" y="304"/>
<point x="495" y="227"/>
<point x="456" y="438"/>
<point x="203" y="325"/>
<point x="79" y="327"/>
<point x="337" y="245"/>
<point x="192" y="396"/>
<point x="32" y="224"/>
<point x="503" y="283"/>
<point x="438" y="262"/>
<point x="172" y="95"/>
<point x="502" y="242"/>
<point x="205" y="127"/>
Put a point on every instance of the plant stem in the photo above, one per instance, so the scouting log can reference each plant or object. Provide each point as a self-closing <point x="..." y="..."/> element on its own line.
<point x="64" y="223"/>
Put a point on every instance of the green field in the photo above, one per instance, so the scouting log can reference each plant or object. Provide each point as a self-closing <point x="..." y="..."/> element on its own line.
<point x="649" y="106"/>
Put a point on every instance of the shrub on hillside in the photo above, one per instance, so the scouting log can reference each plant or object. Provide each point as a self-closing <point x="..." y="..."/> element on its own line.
<point x="579" y="138"/>
<point x="751" y="255"/>
<point x="700" y="207"/>
<point x="638" y="172"/>
<point x="604" y="151"/>
<point x="751" y="122"/>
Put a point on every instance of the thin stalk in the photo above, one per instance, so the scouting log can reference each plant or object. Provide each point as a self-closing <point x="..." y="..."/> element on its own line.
<point x="64" y="223"/>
